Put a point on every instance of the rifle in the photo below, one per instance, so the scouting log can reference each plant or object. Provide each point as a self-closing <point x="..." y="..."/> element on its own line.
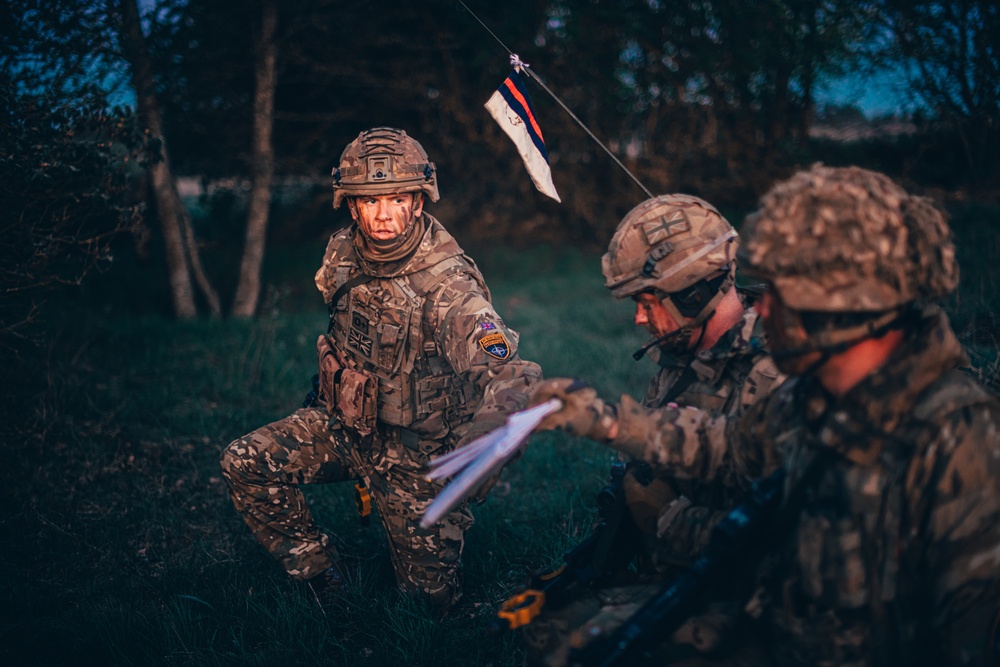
<point x="312" y="398"/>
<point x="590" y="564"/>
<point x="743" y="529"/>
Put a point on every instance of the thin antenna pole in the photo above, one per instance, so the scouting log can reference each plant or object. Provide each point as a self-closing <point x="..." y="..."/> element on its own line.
<point x="486" y="27"/>
<point x="586" y="129"/>
<point x="572" y="115"/>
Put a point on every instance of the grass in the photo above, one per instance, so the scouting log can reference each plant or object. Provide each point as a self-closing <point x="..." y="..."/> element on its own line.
<point x="120" y="545"/>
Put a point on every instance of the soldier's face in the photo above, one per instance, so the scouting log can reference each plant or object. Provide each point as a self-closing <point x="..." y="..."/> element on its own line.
<point x="651" y="314"/>
<point x="384" y="217"/>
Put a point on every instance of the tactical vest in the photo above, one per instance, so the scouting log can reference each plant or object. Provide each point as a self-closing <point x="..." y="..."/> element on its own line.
<point x="736" y="380"/>
<point x="733" y="376"/>
<point x="848" y="555"/>
<point x="385" y="328"/>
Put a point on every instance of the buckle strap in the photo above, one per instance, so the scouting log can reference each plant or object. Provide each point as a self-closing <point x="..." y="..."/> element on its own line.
<point x="406" y="437"/>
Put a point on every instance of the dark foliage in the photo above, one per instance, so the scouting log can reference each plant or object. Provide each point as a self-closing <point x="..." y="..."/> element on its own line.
<point x="708" y="98"/>
<point x="67" y="173"/>
<point x="951" y="54"/>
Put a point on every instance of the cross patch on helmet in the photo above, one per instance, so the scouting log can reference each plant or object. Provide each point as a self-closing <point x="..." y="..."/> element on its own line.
<point x="663" y="227"/>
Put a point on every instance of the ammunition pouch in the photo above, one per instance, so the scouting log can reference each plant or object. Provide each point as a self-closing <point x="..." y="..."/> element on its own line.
<point x="442" y="392"/>
<point x="404" y="436"/>
<point x="357" y="400"/>
<point x="329" y="369"/>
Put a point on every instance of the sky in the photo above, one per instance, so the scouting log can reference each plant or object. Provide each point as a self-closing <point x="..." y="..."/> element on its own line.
<point x="876" y="95"/>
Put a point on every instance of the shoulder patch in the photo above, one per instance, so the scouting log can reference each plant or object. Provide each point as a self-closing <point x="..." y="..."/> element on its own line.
<point x="495" y="345"/>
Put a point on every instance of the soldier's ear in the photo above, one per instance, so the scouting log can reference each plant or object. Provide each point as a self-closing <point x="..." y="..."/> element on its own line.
<point x="352" y="207"/>
<point x="418" y="204"/>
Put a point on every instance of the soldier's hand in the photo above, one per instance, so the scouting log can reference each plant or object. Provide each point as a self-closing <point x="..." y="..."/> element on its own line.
<point x="582" y="413"/>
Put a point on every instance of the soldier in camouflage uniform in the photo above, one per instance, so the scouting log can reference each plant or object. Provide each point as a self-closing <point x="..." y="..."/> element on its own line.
<point x="415" y="363"/>
<point x="891" y="452"/>
<point x="674" y="255"/>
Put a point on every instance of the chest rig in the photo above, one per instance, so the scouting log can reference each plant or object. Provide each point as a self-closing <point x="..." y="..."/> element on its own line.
<point x="856" y="547"/>
<point x="675" y="514"/>
<point x="385" y="327"/>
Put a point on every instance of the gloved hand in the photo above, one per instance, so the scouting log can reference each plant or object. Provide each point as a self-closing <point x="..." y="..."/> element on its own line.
<point x="583" y="413"/>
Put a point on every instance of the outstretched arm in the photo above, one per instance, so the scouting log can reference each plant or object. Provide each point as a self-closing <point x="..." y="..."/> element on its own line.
<point x="685" y="442"/>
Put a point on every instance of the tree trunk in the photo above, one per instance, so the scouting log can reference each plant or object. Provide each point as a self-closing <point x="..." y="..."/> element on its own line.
<point x="201" y="279"/>
<point x="164" y="194"/>
<point x="248" y="288"/>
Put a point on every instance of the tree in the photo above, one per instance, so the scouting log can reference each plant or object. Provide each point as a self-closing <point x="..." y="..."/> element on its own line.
<point x="67" y="162"/>
<point x="714" y="98"/>
<point x="262" y="165"/>
<point x="951" y="50"/>
<point x="175" y="222"/>
<point x="723" y="93"/>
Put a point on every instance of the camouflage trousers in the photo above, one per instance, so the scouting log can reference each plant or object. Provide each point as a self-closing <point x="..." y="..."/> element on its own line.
<point x="551" y="636"/>
<point x="265" y="468"/>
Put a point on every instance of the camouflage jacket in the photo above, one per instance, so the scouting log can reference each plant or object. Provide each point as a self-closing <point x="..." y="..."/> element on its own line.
<point x="723" y="382"/>
<point x="425" y="327"/>
<point x="894" y="555"/>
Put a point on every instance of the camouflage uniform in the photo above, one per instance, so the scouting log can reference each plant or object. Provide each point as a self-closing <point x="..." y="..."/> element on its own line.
<point x="444" y="368"/>
<point x="675" y="516"/>
<point x="723" y="381"/>
<point x="896" y="555"/>
<point x="894" y="559"/>
<point x="893" y="555"/>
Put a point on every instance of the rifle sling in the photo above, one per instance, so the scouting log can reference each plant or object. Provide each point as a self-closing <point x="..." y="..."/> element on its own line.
<point x="359" y="279"/>
<point x="687" y="378"/>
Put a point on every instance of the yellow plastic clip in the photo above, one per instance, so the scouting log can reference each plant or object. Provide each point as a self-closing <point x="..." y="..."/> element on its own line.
<point x="363" y="500"/>
<point x="522" y="608"/>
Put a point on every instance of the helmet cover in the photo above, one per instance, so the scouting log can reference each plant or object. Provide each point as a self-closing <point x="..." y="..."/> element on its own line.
<point x="668" y="243"/>
<point x="383" y="161"/>
<point x="848" y="240"/>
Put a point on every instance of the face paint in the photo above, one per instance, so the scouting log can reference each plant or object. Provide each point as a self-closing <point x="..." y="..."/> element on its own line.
<point x="382" y="218"/>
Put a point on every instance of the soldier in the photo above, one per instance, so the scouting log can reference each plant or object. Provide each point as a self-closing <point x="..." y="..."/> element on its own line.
<point x="675" y="256"/>
<point x="891" y="554"/>
<point x="416" y="362"/>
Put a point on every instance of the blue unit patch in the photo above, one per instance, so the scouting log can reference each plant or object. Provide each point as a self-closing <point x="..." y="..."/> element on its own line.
<point x="495" y="345"/>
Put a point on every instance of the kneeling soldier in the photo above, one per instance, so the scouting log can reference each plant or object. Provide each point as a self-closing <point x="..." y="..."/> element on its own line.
<point x="415" y="362"/>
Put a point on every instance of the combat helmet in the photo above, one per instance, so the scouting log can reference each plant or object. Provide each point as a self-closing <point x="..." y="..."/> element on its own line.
<point x="678" y="247"/>
<point x="834" y="241"/>
<point x="383" y="161"/>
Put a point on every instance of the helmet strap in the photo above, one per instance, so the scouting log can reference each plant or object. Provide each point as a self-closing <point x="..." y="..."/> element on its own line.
<point x="689" y="324"/>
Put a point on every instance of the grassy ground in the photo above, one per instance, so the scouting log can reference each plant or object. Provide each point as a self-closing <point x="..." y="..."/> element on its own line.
<point x="120" y="545"/>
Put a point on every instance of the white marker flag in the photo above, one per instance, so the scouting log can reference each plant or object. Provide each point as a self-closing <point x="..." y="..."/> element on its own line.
<point x="511" y="109"/>
<point x="474" y="463"/>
